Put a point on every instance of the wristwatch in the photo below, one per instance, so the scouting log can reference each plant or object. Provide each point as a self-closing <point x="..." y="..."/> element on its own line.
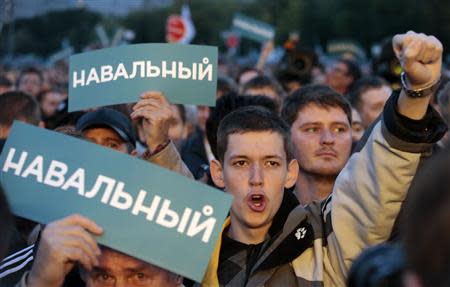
<point x="419" y="93"/>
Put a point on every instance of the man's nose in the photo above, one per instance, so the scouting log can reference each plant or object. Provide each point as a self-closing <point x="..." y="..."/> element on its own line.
<point x="121" y="283"/>
<point x="256" y="175"/>
<point x="327" y="137"/>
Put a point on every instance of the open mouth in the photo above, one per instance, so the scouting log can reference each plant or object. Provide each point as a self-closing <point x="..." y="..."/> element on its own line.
<point x="257" y="202"/>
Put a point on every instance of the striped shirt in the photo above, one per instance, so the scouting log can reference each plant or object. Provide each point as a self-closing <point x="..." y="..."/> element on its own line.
<point x="13" y="266"/>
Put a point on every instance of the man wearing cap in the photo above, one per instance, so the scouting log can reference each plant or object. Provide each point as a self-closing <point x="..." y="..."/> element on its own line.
<point x="113" y="129"/>
<point x="64" y="242"/>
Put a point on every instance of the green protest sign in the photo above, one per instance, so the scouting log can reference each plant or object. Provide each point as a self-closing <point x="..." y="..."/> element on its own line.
<point x="253" y="29"/>
<point x="186" y="74"/>
<point x="339" y="48"/>
<point x="146" y="211"/>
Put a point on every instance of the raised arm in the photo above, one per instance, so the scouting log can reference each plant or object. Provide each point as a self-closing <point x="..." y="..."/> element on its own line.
<point x="368" y="193"/>
<point x="156" y="114"/>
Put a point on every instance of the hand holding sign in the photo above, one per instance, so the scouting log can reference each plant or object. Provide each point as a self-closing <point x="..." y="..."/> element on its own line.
<point x="187" y="74"/>
<point x="44" y="182"/>
<point x="156" y="113"/>
<point x="63" y="243"/>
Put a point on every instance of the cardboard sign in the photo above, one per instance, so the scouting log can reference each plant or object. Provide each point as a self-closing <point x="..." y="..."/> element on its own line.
<point x="185" y="74"/>
<point x="146" y="211"/>
<point x="253" y="29"/>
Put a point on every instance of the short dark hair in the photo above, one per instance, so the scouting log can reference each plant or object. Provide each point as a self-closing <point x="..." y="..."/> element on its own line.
<point x="320" y="95"/>
<point x="225" y="105"/>
<point x="226" y="85"/>
<point x="363" y="85"/>
<point x="353" y="69"/>
<point x="15" y="105"/>
<point x="426" y="226"/>
<point x="260" y="82"/>
<point x="287" y="76"/>
<point x="30" y="70"/>
<point x="252" y="119"/>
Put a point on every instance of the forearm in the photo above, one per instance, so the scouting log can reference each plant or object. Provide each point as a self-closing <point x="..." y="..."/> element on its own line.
<point x="370" y="190"/>
<point x="413" y="108"/>
<point x="169" y="158"/>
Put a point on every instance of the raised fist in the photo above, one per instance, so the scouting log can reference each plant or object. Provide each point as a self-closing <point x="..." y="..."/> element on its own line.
<point x="420" y="57"/>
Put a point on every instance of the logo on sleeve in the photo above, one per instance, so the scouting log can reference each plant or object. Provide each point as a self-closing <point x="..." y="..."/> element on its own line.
<point x="300" y="234"/>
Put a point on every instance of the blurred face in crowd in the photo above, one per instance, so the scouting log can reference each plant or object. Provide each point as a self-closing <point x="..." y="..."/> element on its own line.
<point x="50" y="103"/>
<point x="30" y="84"/>
<point x="372" y="103"/>
<point x="116" y="269"/>
<point x="177" y="129"/>
<point x="357" y="127"/>
<point x="318" y="75"/>
<point x="337" y="77"/>
<point x="322" y="140"/>
<point x="106" y="137"/>
<point x="255" y="171"/>
<point x="202" y="116"/>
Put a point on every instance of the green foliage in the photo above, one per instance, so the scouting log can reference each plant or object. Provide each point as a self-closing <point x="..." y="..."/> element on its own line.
<point x="43" y="34"/>
<point x="149" y="26"/>
<point x="317" y="21"/>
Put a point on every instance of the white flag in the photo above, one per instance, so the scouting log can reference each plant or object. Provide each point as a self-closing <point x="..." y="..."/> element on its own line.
<point x="190" y="29"/>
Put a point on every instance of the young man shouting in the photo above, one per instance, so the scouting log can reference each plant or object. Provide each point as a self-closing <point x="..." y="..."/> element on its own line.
<point x="268" y="240"/>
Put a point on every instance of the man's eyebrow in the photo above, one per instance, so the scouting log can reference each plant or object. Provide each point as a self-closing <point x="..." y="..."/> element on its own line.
<point x="241" y="156"/>
<point x="340" y="123"/>
<point x="99" y="270"/>
<point x="320" y="123"/>
<point x="311" y="123"/>
<point x="140" y="268"/>
<point x="269" y="156"/>
<point x="113" y="139"/>
<point x="272" y="156"/>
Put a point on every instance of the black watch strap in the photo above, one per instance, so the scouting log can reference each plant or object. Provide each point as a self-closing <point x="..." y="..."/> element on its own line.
<point x="419" y="93"/>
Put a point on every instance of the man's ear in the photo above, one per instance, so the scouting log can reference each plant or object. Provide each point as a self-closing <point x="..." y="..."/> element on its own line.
<point x="292" y="174"/>
<point x="217" y="173"/>
<point x="4" y="132"/>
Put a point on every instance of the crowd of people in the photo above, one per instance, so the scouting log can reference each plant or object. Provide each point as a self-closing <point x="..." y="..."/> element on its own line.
<point x="322" y="164"/>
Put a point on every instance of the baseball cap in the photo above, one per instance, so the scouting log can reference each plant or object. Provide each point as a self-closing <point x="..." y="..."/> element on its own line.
<point x="110" y="118"/>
